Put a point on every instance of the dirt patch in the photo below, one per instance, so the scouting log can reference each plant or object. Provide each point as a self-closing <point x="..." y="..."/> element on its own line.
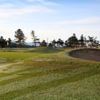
<point x="4" y="67"/>
<point x="43" y="59"/>
<point x="87" y="54"/>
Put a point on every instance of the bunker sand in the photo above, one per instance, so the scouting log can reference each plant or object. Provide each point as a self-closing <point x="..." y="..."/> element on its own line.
<point x="87" y="54"/>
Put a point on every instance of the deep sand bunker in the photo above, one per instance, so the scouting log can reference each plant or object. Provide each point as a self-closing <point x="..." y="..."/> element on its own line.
<point x="87" y="54"/>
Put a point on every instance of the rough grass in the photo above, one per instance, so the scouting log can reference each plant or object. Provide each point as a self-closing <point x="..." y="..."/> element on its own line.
<point x="48" y="74"/>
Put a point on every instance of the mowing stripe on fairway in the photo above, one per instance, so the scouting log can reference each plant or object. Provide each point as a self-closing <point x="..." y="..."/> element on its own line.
<point x="69" y="91"/>
<point x="47" y="84"/>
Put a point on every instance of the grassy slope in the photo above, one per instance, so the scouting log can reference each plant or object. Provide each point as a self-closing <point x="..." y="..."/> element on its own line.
<point x="48" y="74"/>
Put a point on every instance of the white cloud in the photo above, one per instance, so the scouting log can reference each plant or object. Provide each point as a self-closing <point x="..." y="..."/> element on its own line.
<point x="36" y="0"/>
<point x="6" y="12"/>
<point x="85" y="21"/>
<point x="44" y="2"/>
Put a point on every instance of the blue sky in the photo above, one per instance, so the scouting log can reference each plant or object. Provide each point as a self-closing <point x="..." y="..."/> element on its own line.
<point x="50" y="19"/>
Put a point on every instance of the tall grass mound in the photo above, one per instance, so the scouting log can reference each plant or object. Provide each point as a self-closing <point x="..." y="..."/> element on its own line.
<point x="39" y="74"/>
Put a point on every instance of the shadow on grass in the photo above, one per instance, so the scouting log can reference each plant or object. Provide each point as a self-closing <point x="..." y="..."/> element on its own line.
<point x="46" y="50"/>
<point x="34" y="50"/>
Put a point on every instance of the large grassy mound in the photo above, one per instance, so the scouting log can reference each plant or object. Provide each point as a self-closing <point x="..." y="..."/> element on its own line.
<point x="47" y="74"/>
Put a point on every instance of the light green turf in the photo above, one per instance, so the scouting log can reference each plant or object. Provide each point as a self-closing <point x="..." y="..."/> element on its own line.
<point x="47" y="74"/>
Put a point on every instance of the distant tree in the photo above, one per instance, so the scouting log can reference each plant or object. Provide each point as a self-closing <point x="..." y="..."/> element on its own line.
<point x="1" y="42"/>
<point x="44" y="43"/>
<point x="4" y="43"/>
<point x="9" y="42"/>
<point x="60" y="42"/>
<point x="66" y="43"/>
<point x="93" y="42"/>
<point x="91" y="39"/>
<point x="73" y="41"/>
<point x="19" y="35"/>
<point x="50" y="45"/>
<point x="33" y="37"/>
<point x="82" y="41"/>
<point x="54" y="42"/>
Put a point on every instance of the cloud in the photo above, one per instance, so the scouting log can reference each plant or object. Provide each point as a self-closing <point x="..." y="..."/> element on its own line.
<point x="36" y="0"/>
<point x="44" y="2"/>
<point x="21" y="7"/>
<point x="8" y="10"/>
<point x="85" y="21"/>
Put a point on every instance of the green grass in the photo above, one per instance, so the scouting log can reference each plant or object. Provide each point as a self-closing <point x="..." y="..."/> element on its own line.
<point x="47" y="74"/>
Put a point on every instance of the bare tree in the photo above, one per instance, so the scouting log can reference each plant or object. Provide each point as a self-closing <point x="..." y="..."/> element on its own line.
<point x="33" y="37"/>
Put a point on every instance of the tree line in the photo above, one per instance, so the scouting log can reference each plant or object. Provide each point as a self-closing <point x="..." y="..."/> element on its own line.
<point x="72" y="41"/>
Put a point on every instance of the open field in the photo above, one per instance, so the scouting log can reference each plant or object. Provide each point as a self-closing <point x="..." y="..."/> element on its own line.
<point x="47" y="74"/>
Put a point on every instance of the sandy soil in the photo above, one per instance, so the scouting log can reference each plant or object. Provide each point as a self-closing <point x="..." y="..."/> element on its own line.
<point x="87" y="54"/>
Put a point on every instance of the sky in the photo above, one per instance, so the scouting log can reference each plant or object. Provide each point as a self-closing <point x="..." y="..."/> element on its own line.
<point x="50" y="19"/>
